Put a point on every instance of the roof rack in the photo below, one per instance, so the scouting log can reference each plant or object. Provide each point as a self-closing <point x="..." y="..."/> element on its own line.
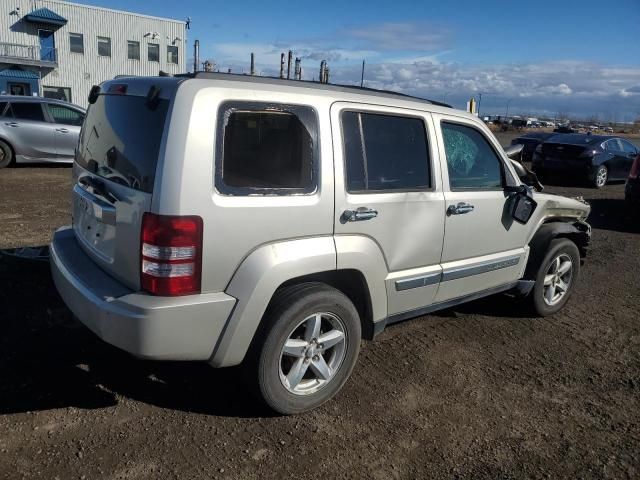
<point x="310" y="84"/>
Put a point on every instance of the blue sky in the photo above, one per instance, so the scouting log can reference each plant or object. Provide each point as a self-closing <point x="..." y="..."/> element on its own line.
<point x="576" y="57"/>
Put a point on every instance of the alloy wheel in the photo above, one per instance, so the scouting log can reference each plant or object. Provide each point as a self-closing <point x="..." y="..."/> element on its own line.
<point x="601" y="177"/>
<point x="313" y="353"/>
<point x="557" y="280"/>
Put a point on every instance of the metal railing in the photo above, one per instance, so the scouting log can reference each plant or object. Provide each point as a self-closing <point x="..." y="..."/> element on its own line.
<point x="33" y="53"/>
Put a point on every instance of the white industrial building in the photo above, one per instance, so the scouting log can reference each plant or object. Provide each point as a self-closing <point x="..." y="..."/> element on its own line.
<point x="59" y="49"/>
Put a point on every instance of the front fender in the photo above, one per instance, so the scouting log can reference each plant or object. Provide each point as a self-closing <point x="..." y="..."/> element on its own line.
<point x="255" y="282"/>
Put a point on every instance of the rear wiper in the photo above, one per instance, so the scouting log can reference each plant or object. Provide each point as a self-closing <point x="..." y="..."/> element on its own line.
<point x="98" y="187"/>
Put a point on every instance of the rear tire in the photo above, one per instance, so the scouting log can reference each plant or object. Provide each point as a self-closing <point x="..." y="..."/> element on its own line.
<point x="306" y="348"/>
<point x="556" y="277"/>
<point x="600" y="177"/>
<point x="6" y="154"/>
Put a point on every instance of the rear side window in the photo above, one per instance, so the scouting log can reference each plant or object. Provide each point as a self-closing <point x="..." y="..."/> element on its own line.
<point x="626" y="146"/>
<point x="385" y="152"/>
<point x="266" y="149"/>
<point x="27" y="111"/>
<point x="471" y="161"/>
<point x="120" y="140"/>
<point x="613" y="145"/>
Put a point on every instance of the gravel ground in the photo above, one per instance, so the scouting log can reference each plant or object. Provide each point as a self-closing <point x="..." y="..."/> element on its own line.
<point x="479" y="391"/>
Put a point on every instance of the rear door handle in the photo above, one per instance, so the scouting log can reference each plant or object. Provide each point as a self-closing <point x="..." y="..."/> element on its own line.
<point x="12" y="124"/>
<point x="460" y="209"/>
<point x="362" y="213"/>
<point x="62" y="130"/>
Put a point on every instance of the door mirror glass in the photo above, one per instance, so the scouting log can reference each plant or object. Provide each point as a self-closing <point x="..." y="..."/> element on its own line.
<point x="523" y="206"/>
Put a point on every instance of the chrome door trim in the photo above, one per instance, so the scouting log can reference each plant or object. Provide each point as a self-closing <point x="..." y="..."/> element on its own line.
<point x="455" y="273"/>
<point x="417" y="282"/>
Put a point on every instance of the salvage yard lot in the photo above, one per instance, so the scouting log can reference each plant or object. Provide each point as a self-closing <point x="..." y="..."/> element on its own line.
<point x="477" y="391"/>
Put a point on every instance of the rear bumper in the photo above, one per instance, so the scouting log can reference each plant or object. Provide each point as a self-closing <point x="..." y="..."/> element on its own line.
<point x="162" y="328"/>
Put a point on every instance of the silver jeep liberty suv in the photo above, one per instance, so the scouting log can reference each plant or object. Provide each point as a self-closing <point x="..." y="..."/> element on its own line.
<point x="274" y="224"/>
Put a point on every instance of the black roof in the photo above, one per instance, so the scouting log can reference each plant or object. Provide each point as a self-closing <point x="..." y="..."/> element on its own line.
<point x="311" y="84"/>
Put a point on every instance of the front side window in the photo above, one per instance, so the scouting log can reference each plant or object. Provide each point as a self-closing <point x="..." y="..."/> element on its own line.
<point x="133" y="50"/>
<point x="65" y="115"/>
<point x="172" y="54"/>
<point x="471" y="161"/>
<point x="76" y="43"/>
<point x="266" y="149"/>
<point x="153" y="52"/>
<point x="385" y="152"/>
<point x="27" y="111"/>
<point x="104" y="46"/>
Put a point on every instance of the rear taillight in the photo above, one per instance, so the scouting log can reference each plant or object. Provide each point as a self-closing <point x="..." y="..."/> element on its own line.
<point x="635" y="168"/>
<point x="171" y="254"/>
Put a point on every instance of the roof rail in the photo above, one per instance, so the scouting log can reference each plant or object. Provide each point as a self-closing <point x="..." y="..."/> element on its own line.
<point x="309" y="84"/>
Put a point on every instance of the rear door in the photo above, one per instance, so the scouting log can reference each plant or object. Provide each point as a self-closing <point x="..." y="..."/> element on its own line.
<point x="617" y="160"/>
<point x="483" y="247"/>
<point x="67" y="122"/>
<point x="388" y="189"/>
<point x="29" y="132"/>
<point x="115" y="170"/>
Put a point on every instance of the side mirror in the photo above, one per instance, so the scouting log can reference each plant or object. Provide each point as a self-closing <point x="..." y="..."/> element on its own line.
<point x="514" y="152"/>
<point x="522" y="204"/>
<point x="527" y="176"/>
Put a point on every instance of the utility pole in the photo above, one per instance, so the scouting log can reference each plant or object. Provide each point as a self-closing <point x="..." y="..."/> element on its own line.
<point x="362" y="76"/>
<point x="506" y="115"/>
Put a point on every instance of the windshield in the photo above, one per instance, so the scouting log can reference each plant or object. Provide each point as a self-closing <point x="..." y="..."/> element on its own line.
<point x="120" y="140"/>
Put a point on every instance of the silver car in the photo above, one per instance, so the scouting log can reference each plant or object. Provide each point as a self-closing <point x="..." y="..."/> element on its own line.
<point x="36" y="129"/>
<point x="274" y="223"/>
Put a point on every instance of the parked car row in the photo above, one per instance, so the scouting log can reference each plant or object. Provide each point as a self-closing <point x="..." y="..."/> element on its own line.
<point x="36" y="129"/>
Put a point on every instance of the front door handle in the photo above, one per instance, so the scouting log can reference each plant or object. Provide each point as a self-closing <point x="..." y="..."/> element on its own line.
<point x="12" y="124"/>
<point x="362" y="213"/>
<point x="62" y="130"/>
<point x="460" y="209"/>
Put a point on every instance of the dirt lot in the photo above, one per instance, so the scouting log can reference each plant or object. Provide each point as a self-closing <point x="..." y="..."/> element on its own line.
<point x="480" y="391"/>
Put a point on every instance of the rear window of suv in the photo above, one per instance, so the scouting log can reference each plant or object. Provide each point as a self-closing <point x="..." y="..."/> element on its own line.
<point x="120" y="140"/>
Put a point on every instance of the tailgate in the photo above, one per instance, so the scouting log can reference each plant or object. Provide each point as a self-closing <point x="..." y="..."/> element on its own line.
<point x="114" y="173"/>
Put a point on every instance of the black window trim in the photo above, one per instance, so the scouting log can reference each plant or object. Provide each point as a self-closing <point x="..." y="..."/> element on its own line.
<point x="503" y="175"/>
<point x="430" y="151"/>
<point x="309" y="119"/>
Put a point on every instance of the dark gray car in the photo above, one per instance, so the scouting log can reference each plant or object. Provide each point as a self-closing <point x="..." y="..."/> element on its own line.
<point x="36" y="129"/>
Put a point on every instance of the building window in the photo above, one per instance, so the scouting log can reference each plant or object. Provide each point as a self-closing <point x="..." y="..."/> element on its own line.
<point x="104" y="46"/>
<point x="172" y="54"/>
<point x="76" y="43"/>
<point x="133" y="50"/>
<point x="153" y="52"/>
<point x="59" y="93"/>
<point x="385" y="153"/>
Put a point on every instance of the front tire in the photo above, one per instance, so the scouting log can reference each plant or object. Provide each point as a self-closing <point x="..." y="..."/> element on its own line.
<point x="556" y="277"/>
<point x="6" y="154"/>
<point x="600" y="177"/>
<point x="309" y="344"/>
